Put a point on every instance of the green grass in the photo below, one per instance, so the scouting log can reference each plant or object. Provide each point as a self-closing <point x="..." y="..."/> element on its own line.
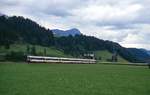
<point x="73" y="79"/>
<point x="107" y="55"/>
<point x="50" y="51"/>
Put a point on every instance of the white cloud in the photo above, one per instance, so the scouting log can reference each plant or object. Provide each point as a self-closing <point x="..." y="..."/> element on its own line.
<point x="107" y="14"/>
<point x="138" y="38"/>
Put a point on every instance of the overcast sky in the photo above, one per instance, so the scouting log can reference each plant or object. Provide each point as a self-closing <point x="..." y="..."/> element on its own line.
<point x="124" y="21"/>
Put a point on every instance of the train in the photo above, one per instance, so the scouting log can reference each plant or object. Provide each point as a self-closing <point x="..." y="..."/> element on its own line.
<point x="46" y="59"/>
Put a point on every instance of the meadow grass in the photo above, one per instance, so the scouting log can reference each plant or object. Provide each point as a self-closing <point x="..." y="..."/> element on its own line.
<point x="50" y="51"/>
<point x="73" y="79"/>
<point x="105" y="55"/>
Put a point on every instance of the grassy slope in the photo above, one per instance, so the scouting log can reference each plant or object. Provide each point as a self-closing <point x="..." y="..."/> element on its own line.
<point x="49" y="50"/>
<point x="107" y="55"/>
<point x="73" y="79"/>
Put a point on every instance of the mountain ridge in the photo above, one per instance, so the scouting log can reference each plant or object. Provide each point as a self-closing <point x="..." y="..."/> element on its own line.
<point x="72" y="32"/>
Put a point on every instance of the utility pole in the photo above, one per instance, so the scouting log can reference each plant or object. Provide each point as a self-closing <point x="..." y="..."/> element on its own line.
<point x="114" y="56"/>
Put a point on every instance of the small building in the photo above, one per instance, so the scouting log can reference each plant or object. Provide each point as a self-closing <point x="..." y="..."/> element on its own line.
<point x="89" y="55"/>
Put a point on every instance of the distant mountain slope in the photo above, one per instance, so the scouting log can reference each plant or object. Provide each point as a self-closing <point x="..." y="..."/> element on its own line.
<point x="72" y="32"/>
<point x="148" y="52"/>
<point x="139" y="53"/>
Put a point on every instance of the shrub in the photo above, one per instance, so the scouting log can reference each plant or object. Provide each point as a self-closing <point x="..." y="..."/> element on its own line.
<point x="16" y="56"/>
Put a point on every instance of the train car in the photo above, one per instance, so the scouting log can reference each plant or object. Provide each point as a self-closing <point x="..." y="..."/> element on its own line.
<point x="45" y="59"/>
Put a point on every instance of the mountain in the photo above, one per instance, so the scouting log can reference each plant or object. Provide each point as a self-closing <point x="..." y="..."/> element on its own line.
<point x="148" y="52"/>
<point x="141" y="54"/>
<point x="72" y="32"/>
<point x="22" y="30"/>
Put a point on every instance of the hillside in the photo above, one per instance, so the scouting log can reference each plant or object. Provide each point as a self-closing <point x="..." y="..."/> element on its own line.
<point x="104" y="56"/>
<point x="50" y="51"/>
<point x="21" y="50"/>
<point x="22" y="30"/>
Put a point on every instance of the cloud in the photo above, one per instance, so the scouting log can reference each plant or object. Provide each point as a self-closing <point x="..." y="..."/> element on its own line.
<point x="138" y="38"/>
<point x="107" y="14"/>
<point x="126" y="22"/>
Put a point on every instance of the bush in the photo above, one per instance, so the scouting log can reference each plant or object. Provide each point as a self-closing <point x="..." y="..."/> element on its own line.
<point x="15" y="56"/>
<point x="2" y="57"/>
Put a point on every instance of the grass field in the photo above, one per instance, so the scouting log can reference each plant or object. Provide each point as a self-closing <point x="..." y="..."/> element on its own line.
<point x="73" y="79"/>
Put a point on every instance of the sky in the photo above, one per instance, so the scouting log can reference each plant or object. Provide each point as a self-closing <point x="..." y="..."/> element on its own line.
<point x="124" y="21"/>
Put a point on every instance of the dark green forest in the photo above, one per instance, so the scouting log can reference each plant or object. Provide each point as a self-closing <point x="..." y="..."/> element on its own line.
<point x="22" y="30"/>
<point x="18" y="29"/>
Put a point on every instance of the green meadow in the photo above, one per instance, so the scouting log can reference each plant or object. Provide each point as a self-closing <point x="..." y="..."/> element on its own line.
<point x="73" y="79"/>
<point x="50" y="51"/>
<point x="105" y="55"/>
